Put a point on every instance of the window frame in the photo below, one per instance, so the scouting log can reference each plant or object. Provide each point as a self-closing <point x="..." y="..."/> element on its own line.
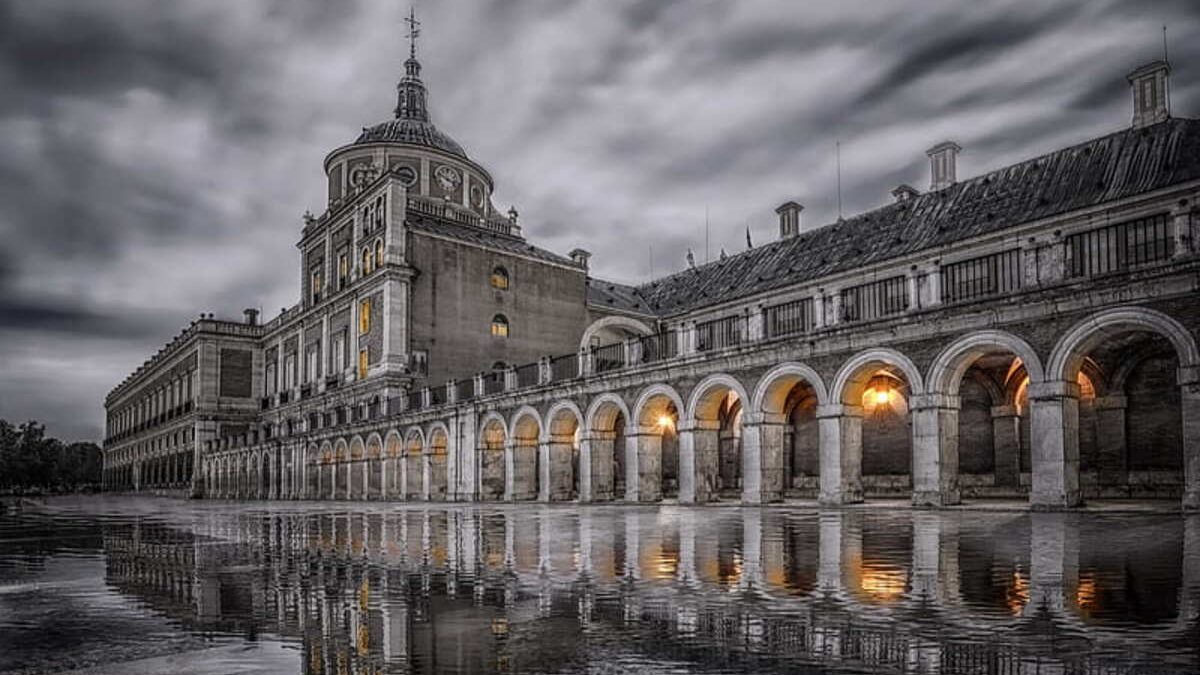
<point x="364" y="316"/>
<point x="501" y="326"/>
<point x="500" y="279"/>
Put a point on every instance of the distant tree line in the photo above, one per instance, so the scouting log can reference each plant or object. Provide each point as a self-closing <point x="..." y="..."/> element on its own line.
<point x="32" y="461"/>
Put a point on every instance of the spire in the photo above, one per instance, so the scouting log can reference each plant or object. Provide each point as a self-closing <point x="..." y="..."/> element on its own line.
<point x="410" y="92"/>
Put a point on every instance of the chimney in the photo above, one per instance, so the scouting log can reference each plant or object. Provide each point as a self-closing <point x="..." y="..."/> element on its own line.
<point x="789" y="219"/>
<point x="580" y="257"/>
<point x="251" y="316"/>
<point x="1151" y="93"/>
<point x="905" y="193"/>
<point x="942" y="159"/>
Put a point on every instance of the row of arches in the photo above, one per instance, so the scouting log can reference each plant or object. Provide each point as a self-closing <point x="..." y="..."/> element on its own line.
<point x="1114" y="409"/>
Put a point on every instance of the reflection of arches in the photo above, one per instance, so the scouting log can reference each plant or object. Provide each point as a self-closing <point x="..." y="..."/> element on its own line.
<point x="611" y="329"/>
<point x="492" y="438"/>
<point x="711" y="457"/>
<point x="602" y="456"/>
<point x="524" y="435"/>
<point x="560" y="466"/>
<point x="652" y="444"/>
<point x="1056" y="407"/>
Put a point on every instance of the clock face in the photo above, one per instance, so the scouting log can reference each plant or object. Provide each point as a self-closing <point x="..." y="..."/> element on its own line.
<point x="407" y="176"/>
<point x="448" y="178"/>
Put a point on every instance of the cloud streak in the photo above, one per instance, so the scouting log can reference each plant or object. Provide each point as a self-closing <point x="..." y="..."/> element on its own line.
<point x="155" y="157"/>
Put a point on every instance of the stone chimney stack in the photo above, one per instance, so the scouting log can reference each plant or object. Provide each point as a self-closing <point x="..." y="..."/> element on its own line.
<point x="251" y="316"/>
<point x="580" y="257"/>
<point x="789" y="219"/>
<point x="1150" y="85"/>
<point x="943" y="159"/>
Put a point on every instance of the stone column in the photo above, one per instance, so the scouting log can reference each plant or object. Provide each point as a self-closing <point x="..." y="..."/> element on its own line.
<point x="426" y="475"/>
<point x="585" y="469"/>
<point x="1054" y="420"/>
<point x="560" y="474"/>
<point x="643" y="467"/>
<point x="698" y="449"/>
<point x="602" y="445"/>
<point x="1110" y="439"/>
<point x="509" y="467"/>
<point x="840" y="439"/>
<point x="543" y="472"/>
<point x="1181" y="219"/>
<point x="1006" y="445"/>
<point x="935" y="449"/>
<point x="1189" y="403"/>
<point x="762" y="459"/>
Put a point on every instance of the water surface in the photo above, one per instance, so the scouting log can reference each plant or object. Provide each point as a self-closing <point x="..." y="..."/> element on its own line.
<point x="128" y="585"/>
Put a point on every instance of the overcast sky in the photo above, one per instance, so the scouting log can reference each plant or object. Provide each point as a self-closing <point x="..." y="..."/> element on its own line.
<point x="156" y="157"/>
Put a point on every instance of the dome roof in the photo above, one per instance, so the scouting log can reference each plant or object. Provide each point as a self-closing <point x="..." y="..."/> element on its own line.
<point x="411" y="131"/>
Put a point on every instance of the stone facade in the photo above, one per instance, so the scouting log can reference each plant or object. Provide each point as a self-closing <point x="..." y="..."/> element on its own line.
<point x="1031" y="332"/>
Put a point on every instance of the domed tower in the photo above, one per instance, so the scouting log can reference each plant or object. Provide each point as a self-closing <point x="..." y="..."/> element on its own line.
<point x="433" y="167"/>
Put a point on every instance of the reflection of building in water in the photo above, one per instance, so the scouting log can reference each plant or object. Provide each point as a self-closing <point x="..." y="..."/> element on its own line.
<point x="1029" y="332"/>
<point x="495" y="591"/>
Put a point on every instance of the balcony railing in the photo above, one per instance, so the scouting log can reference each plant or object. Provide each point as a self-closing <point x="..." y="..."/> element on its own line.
<point x="464" y="390"/>
<point x="982" y="277"/>
<point x="1116" y="248"/>
<point x="493" y="382"/>
<point x="414" y="400"/>
<point x="789" y="318"/>
<point x="875" y="300"/>
<point x="527" y="375"/>
<point x="608" y="357"/>
<point x="720" y="333"/>
<point x="659" y="346"/>
<point x="565" y="367"/>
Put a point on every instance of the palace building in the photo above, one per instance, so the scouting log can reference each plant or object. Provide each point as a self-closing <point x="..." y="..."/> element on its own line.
<point x="1029" y="333"/>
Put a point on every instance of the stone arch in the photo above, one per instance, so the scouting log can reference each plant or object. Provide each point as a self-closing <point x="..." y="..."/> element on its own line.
<point x="413" y="468"/>
<point x="375" y="466"/>
<point x="993" y="427"/>
<point x="435" y="478"/>
<point x="357" y="468"/>
<point x="1056" y="414"/>
<point x="560" y="452"/>
<point x="602" y="451"/>
<point x="312" y="469"/>
<point x="339" y="474"/>
<point x="652" y="444"/>
<point x="493" y="438"/>
<point x="609" y="323"/>
<point x="786" y="401"/>
<point x="393" y="459"/>
<point x="852" y="378"/>
<point x="711" y="460"/>
<point x="524" y="436"/>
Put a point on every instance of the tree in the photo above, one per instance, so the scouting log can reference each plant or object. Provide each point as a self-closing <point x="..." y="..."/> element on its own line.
<point x="30" y="459"/>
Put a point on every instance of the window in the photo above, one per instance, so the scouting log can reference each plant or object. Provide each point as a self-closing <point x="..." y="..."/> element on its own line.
<point x="343" y="270"/>
<point x="339" y="352"/>
<point x="363" y="363"/>
<point x="420" y="362"/>
<point x="289" y="371"/>
<point x="316" y="285"/>
<point x="364" y="316"/>
<point x="311" y="365"/>
<point x="378" y="253"/>
<point x="367" y="259"/>
<point x="499" y="326"/>
<point x="500" y="278"/>
<point x="271" y="381"/>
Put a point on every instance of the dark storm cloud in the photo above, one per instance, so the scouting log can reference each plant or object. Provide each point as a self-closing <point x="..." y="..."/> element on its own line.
<point x="155" y="157"/>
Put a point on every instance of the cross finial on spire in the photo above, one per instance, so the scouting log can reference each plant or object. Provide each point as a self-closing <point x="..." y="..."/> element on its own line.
<point x="414" y="31"/>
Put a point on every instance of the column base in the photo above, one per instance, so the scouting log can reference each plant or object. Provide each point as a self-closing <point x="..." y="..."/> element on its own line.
<point x="1070" y="500"/>
<point x="1191" y="501"/>
<point x="936" y="499"/>
<point x="840" y="498"/>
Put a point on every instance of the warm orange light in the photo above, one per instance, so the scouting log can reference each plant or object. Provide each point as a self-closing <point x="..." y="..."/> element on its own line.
<point x="665" y="421"/>
<point x="881" y="396"/>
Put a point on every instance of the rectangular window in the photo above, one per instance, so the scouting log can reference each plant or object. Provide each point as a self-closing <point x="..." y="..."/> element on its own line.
<point x="316" y="285"/>
<point x="271" y="383"/>
<point x="364" y="316"/>
<point x="339" y="352"/>
<point x="289" y="369"/>
<point x="1116" y="248"/>
<point x="981" y="277"/>
<point x="343" y="270"/>
<point x="877" y="299"/>
<point x="363" y="363"/>
<point x="311" y="365"/>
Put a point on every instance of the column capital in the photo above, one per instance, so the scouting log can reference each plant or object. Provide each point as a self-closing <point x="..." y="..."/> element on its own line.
<point x="934" y="400"/>
<point x="838" y="410"/>
<point x="699" y="425"/>
<point x="1054" y="389"/>
<point x="999" y="411"/>
<point x="1111" y="402"/>
<point x="1188" y="375"/>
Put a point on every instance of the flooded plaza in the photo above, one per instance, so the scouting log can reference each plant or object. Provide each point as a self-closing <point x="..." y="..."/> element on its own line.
<point x="144" y="585"/>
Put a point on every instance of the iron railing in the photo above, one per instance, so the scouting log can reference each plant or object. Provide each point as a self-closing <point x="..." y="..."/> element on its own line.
<point x="464" y="390"/>
<point x="527" y="375"/>
<point x="720" y="333"/>
<point x="493" y="382"/>
<point x="981" y="277"/>
<point x="659" y="346"/>
<point x="874" y="300"/>
<point x="608" y="357"/>
<point x="788" y="318"/>
<point x="1115" y="248"/>
<point x="564" y="367"/>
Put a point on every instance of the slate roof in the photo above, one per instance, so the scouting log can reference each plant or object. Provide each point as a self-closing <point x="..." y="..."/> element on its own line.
<point x="1103" y="169"/>
<point x="603" y="294"/>
<point x="415" y="132"/>
<point x="484" y="237"/>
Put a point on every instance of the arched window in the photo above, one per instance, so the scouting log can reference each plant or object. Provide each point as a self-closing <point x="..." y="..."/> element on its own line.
<point x="378" y="253"/>
<point x="500" y="278"/>
<point x="499" y="326"/>
<point x="366" y="261"/>
<point x="499" y="365"/>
